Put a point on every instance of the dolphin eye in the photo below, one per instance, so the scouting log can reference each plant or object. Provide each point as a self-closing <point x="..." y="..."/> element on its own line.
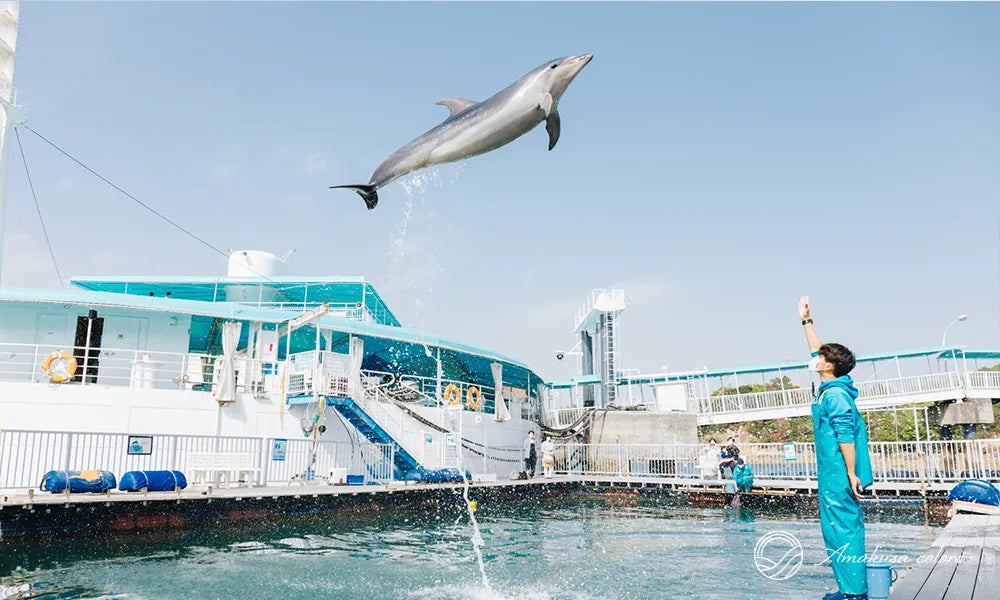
<point x="554" y="65"/>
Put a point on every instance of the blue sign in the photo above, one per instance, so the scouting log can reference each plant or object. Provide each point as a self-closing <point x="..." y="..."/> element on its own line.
<point x="789" y="449"/>
<point x="428" y="438"/>
<point x="279" y="449"/>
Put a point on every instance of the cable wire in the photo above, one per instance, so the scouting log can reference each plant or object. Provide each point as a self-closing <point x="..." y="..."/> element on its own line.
<point x="38" y="209"/>
<point x="126" y="194"/>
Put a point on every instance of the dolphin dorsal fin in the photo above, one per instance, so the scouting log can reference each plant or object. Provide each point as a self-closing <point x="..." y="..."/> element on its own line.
<point x="456" y="105"/>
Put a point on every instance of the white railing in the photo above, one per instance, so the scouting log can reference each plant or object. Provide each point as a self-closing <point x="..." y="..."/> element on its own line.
<point x="937" y="461"/>
<point x="984" y="379"/>
<point x="25" y="456"/>
<point x="564" y="417"/>
<point x="427" y="447"/>
<point x="904" y="386"/>
<point x="425" y="390"/>
<point x="868" y="390"/>
<point x="754" y="401"/>
<point x="111" y="366"/>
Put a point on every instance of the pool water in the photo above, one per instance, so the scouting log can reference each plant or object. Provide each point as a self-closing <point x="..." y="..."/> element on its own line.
<point x="568" y="548"/>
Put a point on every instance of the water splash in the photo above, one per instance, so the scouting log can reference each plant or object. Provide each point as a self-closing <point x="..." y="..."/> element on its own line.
<point x="413" y="250"/>
<point x="477" y="535"/>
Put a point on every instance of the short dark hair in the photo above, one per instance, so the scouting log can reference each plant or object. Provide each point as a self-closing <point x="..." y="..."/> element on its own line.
<point x="839" y="356"/>
<point x="739" y="461"/>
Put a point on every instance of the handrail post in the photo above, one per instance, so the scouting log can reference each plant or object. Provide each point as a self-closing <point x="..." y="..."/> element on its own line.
<point x="67" y="451"/>
<point x="263" y="456"/>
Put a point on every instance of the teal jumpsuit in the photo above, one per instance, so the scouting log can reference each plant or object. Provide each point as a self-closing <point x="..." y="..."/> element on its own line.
<point x="743" y="475"/>
<point x="836" y="419"/>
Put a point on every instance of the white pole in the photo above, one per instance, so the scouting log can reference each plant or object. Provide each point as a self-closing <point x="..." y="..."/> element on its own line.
<point x="8" y="45"/>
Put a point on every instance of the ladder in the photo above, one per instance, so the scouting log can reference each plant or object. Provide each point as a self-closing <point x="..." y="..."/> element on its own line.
<point x="608" y="377"/>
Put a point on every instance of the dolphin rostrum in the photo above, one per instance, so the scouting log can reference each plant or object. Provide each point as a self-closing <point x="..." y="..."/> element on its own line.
<point x="477" y="127"/>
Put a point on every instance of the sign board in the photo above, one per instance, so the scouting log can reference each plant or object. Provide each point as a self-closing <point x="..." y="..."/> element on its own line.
<point x="789" y="449"/>
<point x="140" y="444"/>
<point x="449" y="439"/>
<point x="279" y="449"/>
<point x="428" y="438"/>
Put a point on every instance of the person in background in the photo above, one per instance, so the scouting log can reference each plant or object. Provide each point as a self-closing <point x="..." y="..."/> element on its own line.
<point x="530" y="454"/>
<point x="843" y="467"/>
<point x="730" y="454"/>
<point x="743" y="475"/>
<point x="548" y="457"/>
<point x="708" y="460"/>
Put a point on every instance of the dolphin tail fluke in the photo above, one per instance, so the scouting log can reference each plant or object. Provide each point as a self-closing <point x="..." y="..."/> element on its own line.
<point x="365" y="191"/>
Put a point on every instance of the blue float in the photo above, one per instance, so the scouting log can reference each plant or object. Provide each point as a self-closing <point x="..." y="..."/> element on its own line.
<point x="976" y="491"/>
<point x="82" y="482"/>
<point x="153" y="481"/>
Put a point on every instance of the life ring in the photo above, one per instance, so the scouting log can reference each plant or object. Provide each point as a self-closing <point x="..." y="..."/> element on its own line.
<point x="473" y="398"/>
<point x="451" y="395"/>
<point x="60" y="366"/>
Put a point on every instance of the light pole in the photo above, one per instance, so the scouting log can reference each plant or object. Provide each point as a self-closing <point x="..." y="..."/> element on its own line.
<point x="944" y="336"/>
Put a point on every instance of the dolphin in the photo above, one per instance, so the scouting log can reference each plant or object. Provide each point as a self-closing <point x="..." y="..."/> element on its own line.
<point x="475" y="128"/>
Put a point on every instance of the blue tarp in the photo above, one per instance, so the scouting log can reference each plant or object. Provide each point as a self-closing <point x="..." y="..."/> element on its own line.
<point x="153" y="481"/>
<point x="78" y="481"/>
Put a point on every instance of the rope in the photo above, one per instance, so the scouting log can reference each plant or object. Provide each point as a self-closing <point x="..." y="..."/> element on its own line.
<point x="38" y="209"/>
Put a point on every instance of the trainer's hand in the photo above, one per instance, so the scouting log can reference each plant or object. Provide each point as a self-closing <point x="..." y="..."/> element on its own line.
<point x="856" y="488"/>
<point x="804" y="307"/>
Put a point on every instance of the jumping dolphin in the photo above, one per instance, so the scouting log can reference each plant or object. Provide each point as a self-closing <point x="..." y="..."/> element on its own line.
<point x="477" y="127"/>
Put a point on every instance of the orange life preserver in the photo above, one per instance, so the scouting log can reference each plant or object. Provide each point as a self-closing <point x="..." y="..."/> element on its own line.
<point x="473" y="404"/>
<point x="59" y="375"/>
<point x="451" y="395"/>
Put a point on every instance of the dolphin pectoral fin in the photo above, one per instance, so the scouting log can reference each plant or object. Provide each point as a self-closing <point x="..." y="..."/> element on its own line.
<point x="546" y="104"/>
<point x="552" y="125"/>
<point x="367" y="192"/>
<point x="456" y="105"/>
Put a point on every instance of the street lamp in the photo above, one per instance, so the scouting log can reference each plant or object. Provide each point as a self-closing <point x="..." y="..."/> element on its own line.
<point x="944" y="336"/>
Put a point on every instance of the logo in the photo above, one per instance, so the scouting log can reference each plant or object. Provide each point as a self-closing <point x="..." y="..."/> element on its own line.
<point x="778" y="555"/>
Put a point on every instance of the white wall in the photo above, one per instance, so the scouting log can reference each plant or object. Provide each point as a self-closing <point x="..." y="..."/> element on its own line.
<point x="161" y="332"/>
<point x="101" y="408"/>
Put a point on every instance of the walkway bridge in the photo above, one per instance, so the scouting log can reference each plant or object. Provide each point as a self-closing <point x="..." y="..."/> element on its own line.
<point x="786" y="390"/>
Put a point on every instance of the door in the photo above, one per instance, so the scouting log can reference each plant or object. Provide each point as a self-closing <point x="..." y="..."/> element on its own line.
<point x="87" y="351"/>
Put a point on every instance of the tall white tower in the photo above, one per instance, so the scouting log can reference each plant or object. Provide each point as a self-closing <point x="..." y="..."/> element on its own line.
<point x="597" y="326"/>
<point x="8" y="44"/>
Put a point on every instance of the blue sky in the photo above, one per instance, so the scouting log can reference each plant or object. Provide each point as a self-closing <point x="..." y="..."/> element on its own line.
<point x="716" y="161"/>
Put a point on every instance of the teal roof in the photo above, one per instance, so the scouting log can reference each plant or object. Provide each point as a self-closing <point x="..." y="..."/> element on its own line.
<point x="970" y="354"/>
<point x="338" y="291"/>
<point x="939" y="352"/>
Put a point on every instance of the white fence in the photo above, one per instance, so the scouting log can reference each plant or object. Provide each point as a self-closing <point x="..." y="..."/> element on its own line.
<point x="959" y="384"/>
<point x="25" y="456"/>
<point x="941" y="461"/>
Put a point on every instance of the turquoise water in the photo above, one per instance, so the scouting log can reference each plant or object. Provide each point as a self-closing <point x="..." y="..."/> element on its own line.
<point x="571" y="548"/>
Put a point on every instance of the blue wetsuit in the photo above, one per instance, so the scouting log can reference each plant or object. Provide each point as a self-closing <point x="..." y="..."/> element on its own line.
<point x="836" y="419"/>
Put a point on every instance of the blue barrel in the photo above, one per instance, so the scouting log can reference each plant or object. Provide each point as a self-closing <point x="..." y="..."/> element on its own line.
<point x="976" y="491"/>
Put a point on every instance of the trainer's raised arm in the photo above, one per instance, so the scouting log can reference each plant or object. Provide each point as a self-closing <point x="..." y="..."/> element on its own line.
<point x="811" y="338"/>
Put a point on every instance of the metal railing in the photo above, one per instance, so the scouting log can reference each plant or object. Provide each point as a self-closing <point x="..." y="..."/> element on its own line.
<point x="937" y="461"/>
<point x="868" y="390"/>
<point x="984" y="379"/>
<point x="111" y="366"/>
<point x="25" y="456"/>
<point x="427" y="448"/>
<point x="564" y="417"/>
